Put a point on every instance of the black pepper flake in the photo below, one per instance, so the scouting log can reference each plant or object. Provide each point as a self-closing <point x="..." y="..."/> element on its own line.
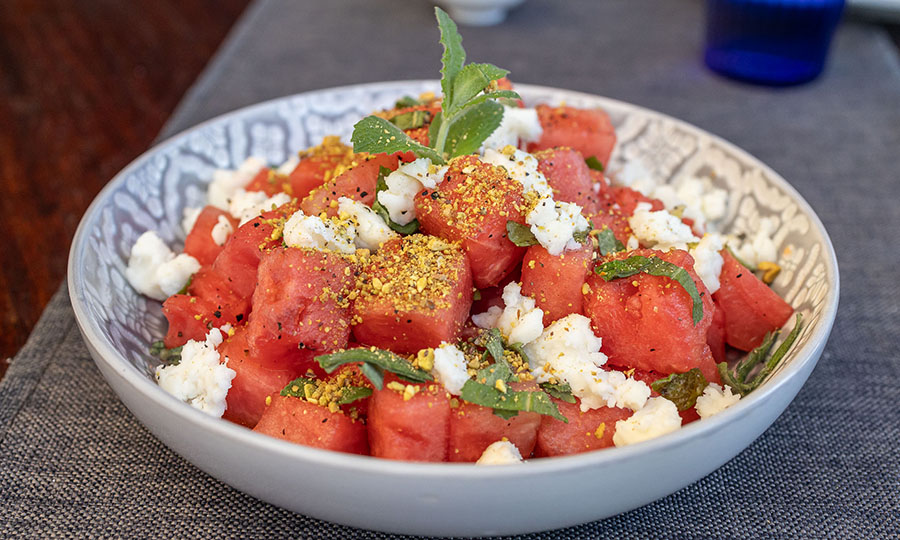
<point x="741" y="274"/>
<point x="217" y="314"/>
<point x="239" y="317"/>
<point x="364" y="193"/>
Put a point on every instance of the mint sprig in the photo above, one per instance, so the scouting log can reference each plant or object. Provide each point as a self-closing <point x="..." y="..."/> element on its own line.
<point x="739" y="378"/>
<point x="607" y="242"/>
<point x="682" y="389"/>
<point x="483" y="391"/>
<point x="470" y="111"/>
<point x="349" y="394"/>
<point x="654" y="266"/>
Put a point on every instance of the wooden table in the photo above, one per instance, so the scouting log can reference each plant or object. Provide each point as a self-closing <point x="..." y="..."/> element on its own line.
<point x="84" y="88"/>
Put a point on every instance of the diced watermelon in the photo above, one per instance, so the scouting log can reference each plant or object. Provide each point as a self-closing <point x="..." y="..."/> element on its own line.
<point x="750" y="307"/>
<point x="473" y="428"/>
<point x="267" y="181"/>
<point x="199" y="243"/>
<point x="586" y="431"/>
<point x="239" y="259"/>
<point x="645" y="321"/>
<point x="472" y="206"/>
<point x="299" y="421"/>
<point x="300" y="303"/>
<point x="587" y="130"/>
<point x="228" y="306"/>
<point x="628" y="199"/>
<point x="253" y="382"/>
<point x="420" y="133"/>
<point x="417" y="294"/>
<point x="556" y="281"/>
<point x="358" y="183"/>
<point x="189" y="318"/>
<point x="715" y="336"/>
<point x="417" y="429"/>
<point x="317" y="165"/>
<point x="569" y="176"/>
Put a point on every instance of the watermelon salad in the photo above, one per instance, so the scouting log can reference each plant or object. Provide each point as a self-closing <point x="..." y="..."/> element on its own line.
<point x="463" y="281"/>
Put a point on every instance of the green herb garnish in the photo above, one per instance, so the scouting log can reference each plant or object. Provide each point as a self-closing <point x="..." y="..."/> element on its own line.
<point x="411" y="119"/>
<point x="408" y="101"/>
<point x="509" y="403"/>
<point x="607" y="242"/>
<point x="594" y="163"/>
<point x="519" y="349"/>
<point x="374" y="363"/>
<point x="737" y="379"/>
<point x="653" y="266"/>
<point x="560" y="391"/>
<point x="582" y="235"/>
<point x="682" y="389"/>
<point x="349" y="394"/>
<point x="169" y="357"/>
<point x="378" y="208"/>
<point x="519" y="234"/>
<point x="470" y="110"/>
<point x="493" y="343"/>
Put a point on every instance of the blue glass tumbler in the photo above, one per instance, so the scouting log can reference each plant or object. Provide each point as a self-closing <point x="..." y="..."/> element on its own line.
<point x="772" y="42"/>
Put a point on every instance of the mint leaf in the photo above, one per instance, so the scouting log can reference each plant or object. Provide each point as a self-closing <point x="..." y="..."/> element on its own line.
<point x="378" y="208"/>
<point x="682" y="389"/>
<point x="561" y="391"/>
<point x="607" y="242"/>
<point x="653" y="266"/>
<point x="471" y="127"/>
<point x="411" y="119"/>
<point x="519" y="349"/>
<point x="454" y="55"/>
<point x="499" y="371"/>
<point x="503" y="95"/>
<point x="493" y="342"/>
<point x="407" y="101"/>
<point x="737" y="379"/>
<point x="581" y="236"/>
<point x="511" y="402"/>
<point x="594" y="163"/>
<point x="519" y="234"/>
<point x="376" y="135"/>
<point x="471" y="81"/>
<point x="349" y="394"/>
<point x="374" y="363"/>
<point x="169" y="357"/>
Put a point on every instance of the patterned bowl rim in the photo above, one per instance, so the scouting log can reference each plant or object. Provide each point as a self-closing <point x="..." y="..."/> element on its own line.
<point x="807" y="354"/>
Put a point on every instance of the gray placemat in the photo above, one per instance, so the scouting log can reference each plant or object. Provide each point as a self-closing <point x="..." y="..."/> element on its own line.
<point x="75" y="463"/>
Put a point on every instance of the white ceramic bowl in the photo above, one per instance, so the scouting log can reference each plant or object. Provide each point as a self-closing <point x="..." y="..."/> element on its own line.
<point x="430" y="499"/>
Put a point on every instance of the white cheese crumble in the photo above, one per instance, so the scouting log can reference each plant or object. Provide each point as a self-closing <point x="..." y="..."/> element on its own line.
<point x="521" y="167"/>
<point x="500" y="453"/>
<point x="660" y="230"/>
<point x="758" y="246"/>
<point x="246" y="205"/>
<point x="221" y="230"/>
<point x="313" y="232"/>
<point x="403" y="185"/>
<point x="569" y="351"/>
<point x="715" y="399"/>
<point x="520" y="320"/>
<point x="189" y="219"/>
<point x="225" y="183"/>
<point x="155" y="271"/>
<point x="657" y="417"/>
<point x="555" y="223"/>
<point x="708" y="261"/>
<point x="288" y="166"/>
<point x="371" y="230"/>
<point x="518" y="123"/>
<point x="199" y="379"/>
<point x="450" y="368"/>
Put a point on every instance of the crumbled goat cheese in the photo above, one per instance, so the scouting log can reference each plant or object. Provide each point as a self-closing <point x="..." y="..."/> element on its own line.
<point x="520" y="321"/>
<point x="155" y="271"/>
<point x="758" y="246"/>
<point x="518" y="123"/>
<point x="708" y="261"/>
<point x="313" y="232"/>
<point x="660" y="230"/>
<point x="371" y="230"/>
<point x="450" y="368"/>
<point x="657" y="417"/>
<point x="403" y="185"/>
<point x="500" y="453"/>
<point x="715" y="399"/>
<point x="189" y="219"/>
<point x="569" y="351"/>
<point x="221" y="231"/>
<point x="555" y="223"/>
<point x="288" y="166"/>
<point x="521" y="167"/>
<point x="633" y="243"/>
<point x="246" y="205"/>
<point x="635" y="176"/>
<point x="199" y="379"/>
<point x="225" y="183"/>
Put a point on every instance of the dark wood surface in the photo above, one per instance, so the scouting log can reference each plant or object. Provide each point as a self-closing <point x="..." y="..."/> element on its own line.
<point x="85" y="86"/>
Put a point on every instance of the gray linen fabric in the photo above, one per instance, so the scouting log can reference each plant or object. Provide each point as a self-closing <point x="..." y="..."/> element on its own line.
<point x="75" y="463"/>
